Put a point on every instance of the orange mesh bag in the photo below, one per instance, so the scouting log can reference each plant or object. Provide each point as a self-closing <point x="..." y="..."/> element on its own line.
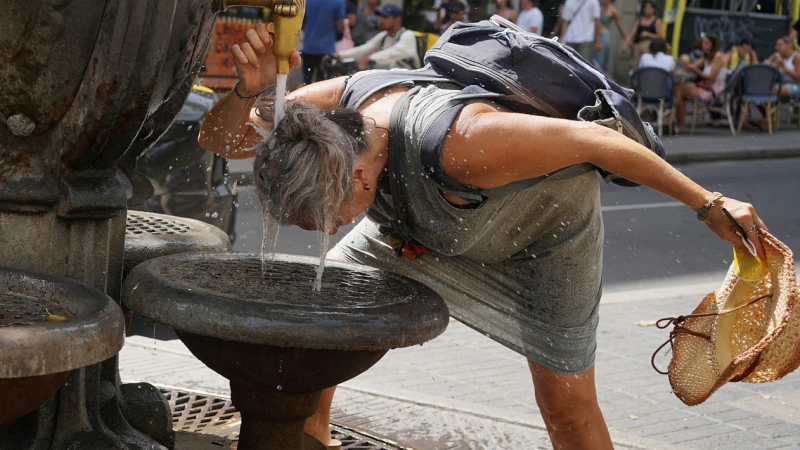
<point x="746" y="331"/>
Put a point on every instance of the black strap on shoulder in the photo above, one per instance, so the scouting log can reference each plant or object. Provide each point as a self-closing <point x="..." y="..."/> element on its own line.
<point x="397" y="164"/>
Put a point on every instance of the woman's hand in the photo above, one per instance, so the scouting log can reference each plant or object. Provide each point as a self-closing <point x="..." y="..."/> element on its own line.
<point x="745" y="215"/>
<point x="255" y="61"/>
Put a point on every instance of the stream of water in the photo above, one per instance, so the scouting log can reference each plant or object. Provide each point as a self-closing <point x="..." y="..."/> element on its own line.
<point x="269" y="239"/>
<point x="280" y="99"/>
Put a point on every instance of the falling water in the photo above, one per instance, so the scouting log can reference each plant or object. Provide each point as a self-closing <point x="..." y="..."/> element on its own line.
<point x="269" y="239"/>
<point x="280" y="99"/>
<point x="324" y="241"/>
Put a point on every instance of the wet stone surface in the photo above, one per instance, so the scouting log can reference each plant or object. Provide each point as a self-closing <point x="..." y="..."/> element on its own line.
<point x="149" y="224"/>
<point x="244" y="279"/>
<point x="19" y="309"/>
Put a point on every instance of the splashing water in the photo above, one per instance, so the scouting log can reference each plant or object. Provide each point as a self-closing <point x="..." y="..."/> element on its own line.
<point x="269" y="239"/>
<point x="280" y="100"/>
<point x="324" y="241"/>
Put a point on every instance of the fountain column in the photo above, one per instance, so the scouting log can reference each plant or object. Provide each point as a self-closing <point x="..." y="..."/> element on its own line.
<point x="87" y="86"/>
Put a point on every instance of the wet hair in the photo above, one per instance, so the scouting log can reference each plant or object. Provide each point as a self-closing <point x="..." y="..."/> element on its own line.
<point x="658" y="45"/>
<point x="303" y="168"/>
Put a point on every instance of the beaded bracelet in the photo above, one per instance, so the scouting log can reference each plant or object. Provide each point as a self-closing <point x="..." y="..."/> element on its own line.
<point x="702" y="213"/>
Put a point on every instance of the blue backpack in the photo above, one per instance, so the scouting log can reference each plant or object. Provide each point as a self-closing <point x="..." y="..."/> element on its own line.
<point x="523" y="72"/>
<point x="531" y="74"/>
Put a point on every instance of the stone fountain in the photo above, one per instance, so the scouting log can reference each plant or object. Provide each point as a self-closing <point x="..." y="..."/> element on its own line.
<point x="87" y="86"/>
<point x="278" y="342"/>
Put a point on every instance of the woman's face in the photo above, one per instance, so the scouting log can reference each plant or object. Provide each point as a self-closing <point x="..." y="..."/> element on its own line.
<point x="783" y="48"/>
<point x="649" y="10"/>
<point x="707" y="45"/>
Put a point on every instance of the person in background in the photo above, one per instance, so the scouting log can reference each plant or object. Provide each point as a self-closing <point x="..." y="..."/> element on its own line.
<point x="367" y="23"/>
<point x="742" y="54"/>
<point x="531" y="18"/>
<point x="458" y="13"/>
<point x="608" y="15"/>
<point x="558" y="28"/>
<point x="582" y="26"/>
<point x="657" y="56"/>
<point x="711" y="73"/>
<point x="443" y="19"/>
<point x="786" y="59"/>
<point x="394" y="47"/>
<point x="506" y="10"/>
<point x="324" y="20"/>
<point x="644" y="30"/>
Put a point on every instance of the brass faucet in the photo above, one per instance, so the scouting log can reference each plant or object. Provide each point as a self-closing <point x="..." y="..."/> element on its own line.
<point x="287" y="19"/>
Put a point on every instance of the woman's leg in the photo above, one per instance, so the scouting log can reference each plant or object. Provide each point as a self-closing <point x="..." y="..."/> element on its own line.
<point x="568" y="404"/>
<point x="318" y="425"/>
<point x="683" y="91"/>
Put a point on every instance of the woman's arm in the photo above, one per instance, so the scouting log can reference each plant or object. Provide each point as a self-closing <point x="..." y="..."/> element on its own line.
<point x="629" y="37"/>
<point x="659" y="29"/>
<point x="490" y="149"/>
<point x="225" y="130"/>
<point x="618" y="21"/>
<point x="795" y="74"/>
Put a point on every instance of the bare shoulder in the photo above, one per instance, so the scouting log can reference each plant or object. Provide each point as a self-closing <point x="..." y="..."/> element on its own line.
<point x="325" y="94"/>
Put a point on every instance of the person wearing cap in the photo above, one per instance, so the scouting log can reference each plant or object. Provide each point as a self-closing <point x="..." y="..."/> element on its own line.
<point x="394" y="47"/>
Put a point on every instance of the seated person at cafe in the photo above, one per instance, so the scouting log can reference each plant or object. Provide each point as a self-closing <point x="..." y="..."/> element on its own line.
<point x="786" y="60"/>
<point x="657" y="56"/>
<point x="711" y="73"/>
<point x="742" y="54"/>
<point x="394" y="47"/>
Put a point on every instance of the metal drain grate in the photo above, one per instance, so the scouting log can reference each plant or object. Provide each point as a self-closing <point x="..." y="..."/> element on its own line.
<point x="207" y="414"/>
<point x="148" y="224"/>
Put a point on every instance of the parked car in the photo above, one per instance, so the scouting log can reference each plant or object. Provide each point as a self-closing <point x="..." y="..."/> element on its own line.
<point x="190" y="181"/>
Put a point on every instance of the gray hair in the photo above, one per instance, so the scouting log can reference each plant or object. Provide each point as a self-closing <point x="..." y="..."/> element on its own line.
<point x="303" y="168"/>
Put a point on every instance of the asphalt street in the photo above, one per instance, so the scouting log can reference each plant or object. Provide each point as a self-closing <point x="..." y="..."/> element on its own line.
<point x="651" y="240"/>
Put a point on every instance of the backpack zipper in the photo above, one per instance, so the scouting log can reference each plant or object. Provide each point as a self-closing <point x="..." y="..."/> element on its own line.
<point x="513" y="86"/>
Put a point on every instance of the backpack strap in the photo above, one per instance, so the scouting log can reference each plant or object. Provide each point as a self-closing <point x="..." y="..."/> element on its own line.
<point x="361" y="86"/>
<point x="431" y="155"/>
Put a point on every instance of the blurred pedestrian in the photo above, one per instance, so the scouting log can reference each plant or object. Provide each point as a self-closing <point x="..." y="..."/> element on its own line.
<point x="711" y="74"/>
<point x="657" y="56"/>
<point x="582" y="26"/>
<point x="531" y="18"/>
<point x="367" y="23"/>
<point x="741" y="54"/>
<point x="323" y="21"/>
<point x="787" y="60"/>
<point x="558" y="28"/>
<point x="394" y="47"/>
<point x="506" y="10"/>
<point x="645" y="29"/>
<point x="608" y="15"/>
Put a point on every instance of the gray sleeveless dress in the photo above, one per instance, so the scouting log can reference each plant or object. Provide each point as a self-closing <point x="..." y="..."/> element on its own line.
<point x="524" y="269"/>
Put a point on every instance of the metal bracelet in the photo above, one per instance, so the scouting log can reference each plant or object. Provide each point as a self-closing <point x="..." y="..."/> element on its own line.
<point x="236" y="91"/>
<point x="702" y="213"/>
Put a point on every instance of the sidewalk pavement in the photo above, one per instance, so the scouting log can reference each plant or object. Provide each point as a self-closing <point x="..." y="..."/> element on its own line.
<point x="464" y="391"/>
<point x="706" y="145"/>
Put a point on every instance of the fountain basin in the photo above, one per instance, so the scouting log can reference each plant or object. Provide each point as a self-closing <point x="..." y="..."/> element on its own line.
<point x="36" y="357"/>
<point x="150" y="235"/>
<point x="278" y="342"/>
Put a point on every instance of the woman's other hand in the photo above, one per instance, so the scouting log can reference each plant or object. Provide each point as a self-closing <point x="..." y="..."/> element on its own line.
<point x="255" y="61"/>
<point x="745" y="215"/>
